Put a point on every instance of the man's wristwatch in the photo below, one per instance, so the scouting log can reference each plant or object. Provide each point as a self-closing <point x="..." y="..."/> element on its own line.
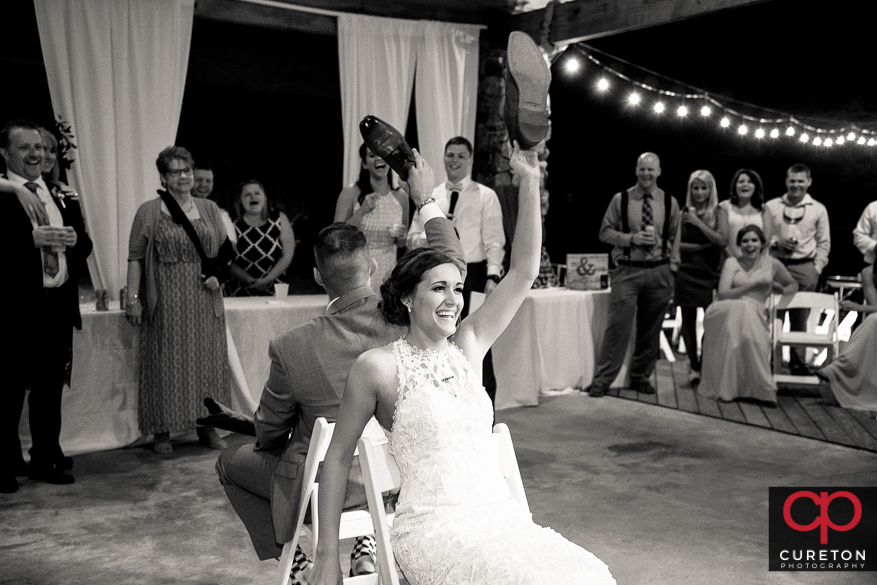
<point x="495" y="278"/>
<point x="426" y="201"/>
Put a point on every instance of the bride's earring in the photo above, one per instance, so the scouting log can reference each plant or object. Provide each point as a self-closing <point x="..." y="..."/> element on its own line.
<point x="408" y="307"/>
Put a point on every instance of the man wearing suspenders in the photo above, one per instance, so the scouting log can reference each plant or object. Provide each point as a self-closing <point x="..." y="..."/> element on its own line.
<point x="646" y="253"/>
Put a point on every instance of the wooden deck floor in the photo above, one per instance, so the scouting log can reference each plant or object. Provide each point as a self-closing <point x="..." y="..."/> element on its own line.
<point x="799" y="412"/>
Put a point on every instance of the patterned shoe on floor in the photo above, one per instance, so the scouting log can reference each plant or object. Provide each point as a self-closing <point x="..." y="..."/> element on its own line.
<point x="301" y="568"/>
<point x="364" y="556"/>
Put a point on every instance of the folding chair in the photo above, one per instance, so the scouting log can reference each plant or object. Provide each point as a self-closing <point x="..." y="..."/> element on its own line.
<point x="818" y="334"/>
<point x="674" y="323"/>
<point x="353" y="524"/>
<point x="380" y="474"/>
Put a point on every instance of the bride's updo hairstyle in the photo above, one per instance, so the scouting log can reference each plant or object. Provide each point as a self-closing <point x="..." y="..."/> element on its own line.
<point x="404" y="279"/>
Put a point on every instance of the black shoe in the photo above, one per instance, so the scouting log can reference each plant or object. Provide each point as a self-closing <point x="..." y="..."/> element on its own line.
<point x="387" y="143"/>
<point x="597" y="390"/>
<point x="64" y="463"/>
<point x="8" y="483"/>
<point x="49" y="474"/>
<point x="642" y="386"/>
<point x="19" y="468"/>
<point x="526" y="97"/>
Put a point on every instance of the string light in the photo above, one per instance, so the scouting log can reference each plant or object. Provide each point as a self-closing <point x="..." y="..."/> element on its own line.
<point x="777" y="122"/>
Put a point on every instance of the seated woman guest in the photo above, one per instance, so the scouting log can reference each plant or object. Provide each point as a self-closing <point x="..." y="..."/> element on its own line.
<point x="852" y="376"/>
<point x="381" y="212"/>
<point x="736" y="340"/>
<point x="265" y="243"/>
<point x="745" y="207"/>
<point x="701" y="248"/>
<point x="456" y="521"/>
<point x="173" y="294"/>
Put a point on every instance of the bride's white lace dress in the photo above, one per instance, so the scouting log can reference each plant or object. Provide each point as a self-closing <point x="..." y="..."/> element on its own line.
<point x="456" y="522"/>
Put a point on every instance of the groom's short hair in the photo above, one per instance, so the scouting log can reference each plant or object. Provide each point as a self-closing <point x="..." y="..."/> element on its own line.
<point x="341" y="252"/>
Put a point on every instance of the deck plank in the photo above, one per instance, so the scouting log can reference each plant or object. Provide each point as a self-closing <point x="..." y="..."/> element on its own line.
<point x="852" y="426"/>
<point x="867" y="420"/>
<point x="687" y="400"/>
<point x="799" y="417"/>
<point x="833" y="432"/>
<point x="666" y="386"/>
<point x="779" y="420"/>
<point x="754" y="414"/>
<point x="731" y="411"/>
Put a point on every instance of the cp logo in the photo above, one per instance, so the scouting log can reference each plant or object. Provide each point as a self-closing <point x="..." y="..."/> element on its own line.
<point x="822" y="521"/>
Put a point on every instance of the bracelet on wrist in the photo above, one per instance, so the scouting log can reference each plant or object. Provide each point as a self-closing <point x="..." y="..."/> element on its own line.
<point x="426" y="201"/>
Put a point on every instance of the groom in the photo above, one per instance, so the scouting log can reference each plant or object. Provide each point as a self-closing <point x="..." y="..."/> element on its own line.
<point x="309" y="366"/>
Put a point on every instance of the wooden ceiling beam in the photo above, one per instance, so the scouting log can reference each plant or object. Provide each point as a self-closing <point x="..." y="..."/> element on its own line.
<point x="582" y="20"/>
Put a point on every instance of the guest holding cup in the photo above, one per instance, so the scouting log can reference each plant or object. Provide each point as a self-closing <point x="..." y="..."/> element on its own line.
<point x="265" y="243"/>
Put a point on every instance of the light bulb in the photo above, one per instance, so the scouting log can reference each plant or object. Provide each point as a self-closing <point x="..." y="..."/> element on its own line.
<point x="633" y="99"/>
<point x="851" y="136"/>
<point x="861" y="140"/>
<point x="682" y="111"/>
<point x="790" y="131"/>
<point x="804" y="138"/>
<point x="759" y="133"/>
<point x="725" y="122"/>
<point x="742" y="129"/>
<point x="774" y="133"/>
<point x="817" y="141"/>
<point x="839" y="141"/>
<point x="705" y="111"/>
<point x="871" y="142"/>
<point x="572" y="65"/>
<point x="828" y="142"/>
<point x="602" y="85"/>
<point x="659" y="107"/>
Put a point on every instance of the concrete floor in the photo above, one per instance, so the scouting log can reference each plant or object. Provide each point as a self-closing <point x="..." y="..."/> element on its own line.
<point x="662" y="496"/>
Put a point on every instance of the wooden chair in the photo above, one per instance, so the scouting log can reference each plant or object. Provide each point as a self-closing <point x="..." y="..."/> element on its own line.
<point x="353" y="524"/>
<point x="818" y="335"/>
<point x="380" y="474"/>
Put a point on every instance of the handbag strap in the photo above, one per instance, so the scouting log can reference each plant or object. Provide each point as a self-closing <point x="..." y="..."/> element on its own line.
<point x="179" y="217"/>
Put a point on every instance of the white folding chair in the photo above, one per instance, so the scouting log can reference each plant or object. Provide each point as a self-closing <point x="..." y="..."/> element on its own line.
<point x="380" y="474"/>
<point x="819" y="334"/>
<point x="353" y="524"/>
<point x="674" y="323"/>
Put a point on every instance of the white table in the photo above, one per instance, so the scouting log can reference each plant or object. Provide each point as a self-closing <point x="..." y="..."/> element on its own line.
<point x="99" y="409"/>
<point x="551" y="344"/>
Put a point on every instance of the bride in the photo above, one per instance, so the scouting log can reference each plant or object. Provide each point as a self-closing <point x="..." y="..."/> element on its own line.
<point x="455" y="520"/>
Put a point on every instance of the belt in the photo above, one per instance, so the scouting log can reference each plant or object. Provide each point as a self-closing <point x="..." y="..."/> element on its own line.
<point x="796" y="261"/>
<point x="643" y="263"/>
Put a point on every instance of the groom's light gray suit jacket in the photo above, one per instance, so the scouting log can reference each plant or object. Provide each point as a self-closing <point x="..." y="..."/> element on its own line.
<point x="309" y="367"/>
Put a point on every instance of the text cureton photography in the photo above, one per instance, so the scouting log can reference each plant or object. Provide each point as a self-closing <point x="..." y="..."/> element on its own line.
<point x="822" y="528"/>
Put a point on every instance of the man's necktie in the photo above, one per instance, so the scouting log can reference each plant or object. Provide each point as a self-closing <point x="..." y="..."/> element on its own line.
<point x="51" y="264"/>
<point x="648" y="216"/>
<point x="454" y="196"/>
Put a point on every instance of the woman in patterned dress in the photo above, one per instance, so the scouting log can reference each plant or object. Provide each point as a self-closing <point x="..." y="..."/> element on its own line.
<point x="265" y="243"/>
<point x="381" y="212"/>
<point x="183" y="352"/>
<point x="745" y="207"/>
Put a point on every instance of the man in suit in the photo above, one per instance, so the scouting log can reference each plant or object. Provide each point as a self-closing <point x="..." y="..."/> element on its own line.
<point x="309" y="367"/>
<point x="44" y="258"/>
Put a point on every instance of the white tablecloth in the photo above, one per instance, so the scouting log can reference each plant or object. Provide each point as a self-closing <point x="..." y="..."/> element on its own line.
<point x="551" y="344"/>
<point x="99" y="409"/>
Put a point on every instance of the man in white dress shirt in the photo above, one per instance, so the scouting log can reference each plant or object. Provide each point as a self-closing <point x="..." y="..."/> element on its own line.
<point x="474" y="209"/>
<point x="865" y="233"/>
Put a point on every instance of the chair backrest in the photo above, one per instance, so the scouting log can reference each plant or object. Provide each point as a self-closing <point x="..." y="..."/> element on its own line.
<point x="380" y="474"/>
<point x="819" y="303"/>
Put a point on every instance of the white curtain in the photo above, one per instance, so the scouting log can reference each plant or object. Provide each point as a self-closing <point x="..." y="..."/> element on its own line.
<point x="116" y="70"/>
<point x="446" y="87"/>
<point x="376" y="59"/>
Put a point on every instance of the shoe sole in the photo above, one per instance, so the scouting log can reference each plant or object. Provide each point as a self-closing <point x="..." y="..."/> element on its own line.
<point x="532" y="78"/>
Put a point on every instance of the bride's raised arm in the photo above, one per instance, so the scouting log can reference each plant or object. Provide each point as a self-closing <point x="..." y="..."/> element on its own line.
<point x="478" y="331"/>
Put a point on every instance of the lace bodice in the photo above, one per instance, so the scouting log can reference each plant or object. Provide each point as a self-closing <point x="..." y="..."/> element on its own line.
<point x="455" y="519"/>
